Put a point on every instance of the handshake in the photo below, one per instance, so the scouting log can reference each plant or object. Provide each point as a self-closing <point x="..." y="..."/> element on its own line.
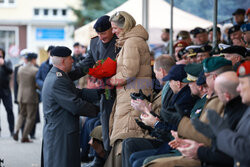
<point x="139" y="95"/>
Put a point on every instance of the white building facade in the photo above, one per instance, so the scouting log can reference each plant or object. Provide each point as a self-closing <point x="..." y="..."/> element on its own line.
<point x="35" y="24"/>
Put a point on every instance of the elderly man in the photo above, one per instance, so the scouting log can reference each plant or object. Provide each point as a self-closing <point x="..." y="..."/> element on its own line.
<point x="101" y="47"/>
<point x="235" y="54"/>
<point x="62" y="106"/>
<point x="200" y="36"/>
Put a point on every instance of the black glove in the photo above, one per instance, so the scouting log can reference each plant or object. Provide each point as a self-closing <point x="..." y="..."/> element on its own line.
<point x="139" y="95"/>
<point x="216" y="122"/>
<point x="143" y="126"/>
<point x="173" y="115"/>
<point x="203" y="128"/>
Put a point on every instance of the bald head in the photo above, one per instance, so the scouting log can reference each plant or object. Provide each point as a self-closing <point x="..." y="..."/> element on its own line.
<point x="225" y="86"/>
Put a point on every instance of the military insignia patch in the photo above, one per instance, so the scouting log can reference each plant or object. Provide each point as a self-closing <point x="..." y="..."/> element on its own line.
<point x="58" y="74"/>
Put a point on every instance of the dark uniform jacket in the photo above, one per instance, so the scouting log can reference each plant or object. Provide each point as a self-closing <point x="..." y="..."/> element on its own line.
<point x="97" y="51"/>
<point x="62" y="105"/>
<point x="236" y="143"/>
<point x="233" y="112"/>
<point x="5" y="72"/>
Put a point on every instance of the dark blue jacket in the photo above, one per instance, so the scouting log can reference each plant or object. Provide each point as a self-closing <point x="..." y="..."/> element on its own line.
<point x="42" y="73"/>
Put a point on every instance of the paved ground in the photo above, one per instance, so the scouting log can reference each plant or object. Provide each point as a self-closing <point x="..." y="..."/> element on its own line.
<point x="17" y="154"/>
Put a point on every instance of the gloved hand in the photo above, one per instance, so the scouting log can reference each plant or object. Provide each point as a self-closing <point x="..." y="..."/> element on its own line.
<point x="203" y="128"/>
<point x="140" y="95"/>
<point x="173" y="115"/>
<point x="143" y="126"/>
<point x="216" y="122"/>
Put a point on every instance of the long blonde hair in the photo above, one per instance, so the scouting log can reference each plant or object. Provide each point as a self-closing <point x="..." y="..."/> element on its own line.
<point x="123" y="20"/>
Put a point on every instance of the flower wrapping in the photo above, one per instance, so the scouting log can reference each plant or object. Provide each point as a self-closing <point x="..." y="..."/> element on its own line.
<point x="103" y="69"/>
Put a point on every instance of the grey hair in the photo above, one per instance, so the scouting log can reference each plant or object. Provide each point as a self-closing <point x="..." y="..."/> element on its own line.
<point x="57" y="60"/>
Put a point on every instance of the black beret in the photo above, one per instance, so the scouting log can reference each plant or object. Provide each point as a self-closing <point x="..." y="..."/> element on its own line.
<point x="197" y="30"/>
<point x="233" y="29"/>
<point x="102" y="24"/>
<point x="31" y="56"/>
<point x="211" y="29"/>
<point x="50" y="48"/>
<point x="76" y="44"/>
<point x="239" y="11"/>
<point x="236" y="49"/>
<point x="61" y="51"/>
<point x="201" y="79"/>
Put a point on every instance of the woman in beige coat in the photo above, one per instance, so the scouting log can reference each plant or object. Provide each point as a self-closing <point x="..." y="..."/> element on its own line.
<point x="133" y="73"/>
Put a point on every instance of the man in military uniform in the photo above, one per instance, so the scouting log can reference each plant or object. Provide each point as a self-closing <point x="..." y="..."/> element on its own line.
<point x="200" y="36"/>
<point x="197" y="89"/>
<point x="62" y="106"/>
<point x="203" y="52"/>
<point x="235" y="54"/>
<point x="101" y="47"/>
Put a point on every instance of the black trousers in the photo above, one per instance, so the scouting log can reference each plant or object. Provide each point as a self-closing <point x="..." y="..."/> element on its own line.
<point x="132" y="145"/>
<point x="5" y="97"/>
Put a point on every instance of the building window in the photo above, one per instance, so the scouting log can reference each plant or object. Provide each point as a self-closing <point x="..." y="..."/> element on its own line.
<point x="54" y="12"/>
<point x="64" y="12"/>
<point x="7" y="2"/>
<point x="36" y="12"/>
<point x="46" y="12"/>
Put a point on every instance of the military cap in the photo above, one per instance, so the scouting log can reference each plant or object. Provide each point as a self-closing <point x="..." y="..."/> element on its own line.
<point x="204" y="48"/>
<point x="166" y="30"/>
<point x="236" y="49"/>
<point x="181" y="44"/>
<point x="192" y="50"/>
<point x="201" y="79"/>
<point x="213" y="63"/>
<point x="193" y="70"/>
<point x="245" y="27"/>
<point x="239" y="12"/>
<point x="60" y="51"/>
<point x="211" y="29"/>
<point x="233" y="29"/>
<point x="244" y="69"/>
<point x="181" y="53"/>
<point x="31" y="56"/>
<point x="102" y="24"/>
<point x="176" y="73"/>
<point x="183" y="35"/>
<point x="197" y="30"/>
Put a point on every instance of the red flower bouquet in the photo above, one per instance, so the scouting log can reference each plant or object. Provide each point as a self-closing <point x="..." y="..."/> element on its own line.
<point x="103" y="69"/>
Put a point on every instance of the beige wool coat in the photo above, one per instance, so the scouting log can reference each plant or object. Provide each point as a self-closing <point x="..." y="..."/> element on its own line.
<point x="133" y="73"/>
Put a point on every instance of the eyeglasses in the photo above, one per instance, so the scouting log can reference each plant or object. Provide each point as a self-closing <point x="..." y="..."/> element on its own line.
<point x="1" y="56"/>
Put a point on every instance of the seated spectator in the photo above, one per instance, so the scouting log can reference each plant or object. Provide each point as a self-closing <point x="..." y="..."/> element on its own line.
<point x="200" y="36"/>
<point x="239" y="16"/>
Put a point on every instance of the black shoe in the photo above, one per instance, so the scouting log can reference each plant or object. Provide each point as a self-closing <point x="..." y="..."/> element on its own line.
<point x="15" y="136"/>
<point x="86" y="159"/>
<point x="97" y="162"/>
